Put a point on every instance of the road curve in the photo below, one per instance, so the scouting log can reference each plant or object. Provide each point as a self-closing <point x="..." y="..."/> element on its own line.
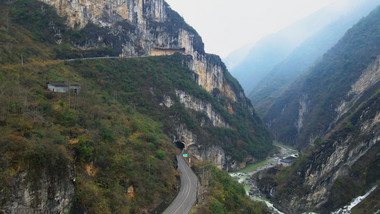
<point x="188" y="193"/>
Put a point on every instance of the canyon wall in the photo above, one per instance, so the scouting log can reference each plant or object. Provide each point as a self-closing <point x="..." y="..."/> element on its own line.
<point x="140" y="28"/>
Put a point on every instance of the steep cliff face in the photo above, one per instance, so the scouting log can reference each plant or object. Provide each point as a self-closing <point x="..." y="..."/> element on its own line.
<point x="197" y="105"/>
<point x="151" y="28"/>
<point x="298" y="63"/>
<point x="107" y="13"/>
<point x="139" y="27"/>
<point x="53" y="193"/>
<point x="314" y="103"/>
<point x="367" y="80"/>
<point x="342" y="167"/>
<point x="334" y="111"/>
<point x="120" y="130"/>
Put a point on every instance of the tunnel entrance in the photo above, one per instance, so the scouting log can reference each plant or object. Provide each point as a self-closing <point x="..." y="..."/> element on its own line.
<point x="181" y="145"/>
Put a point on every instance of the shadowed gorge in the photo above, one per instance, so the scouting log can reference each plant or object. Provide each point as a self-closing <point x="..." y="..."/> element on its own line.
<point x="331" y="114"/>
<point x="115" y="107"/>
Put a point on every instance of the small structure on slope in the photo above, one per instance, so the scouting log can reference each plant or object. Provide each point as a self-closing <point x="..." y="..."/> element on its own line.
<point x="60" y="87"/>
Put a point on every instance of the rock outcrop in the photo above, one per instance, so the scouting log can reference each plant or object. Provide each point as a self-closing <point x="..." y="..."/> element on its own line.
<point x="334" y="111"/>
<point x="143" y="28"/>
<point x="343" y="156"/>
<point x="116" y="136"/>
<point x="215" y="154"/>
<point x="316" y="102"/>
<point x="134" y="28"/>
<point x="49" y="193"/>
<point x="368" y="79"/>
<point x="200" y="106"/>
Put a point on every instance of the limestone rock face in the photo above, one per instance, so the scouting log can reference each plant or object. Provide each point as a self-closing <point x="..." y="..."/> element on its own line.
<point x="337" y="104"/>
<point x="53" y="193"/>
<point x="141" y="28"/>
<point x="135" y="28"/>
<point x="215" y="154"/>
<point x="369" y="78"/>
<point x="106" y="13"/>
<point x="167" y="101"/>
<point x="185" y="135"/>
<point x="200" y="106"/>
<point x="331" y="162"/>
<point x="350" y="140"/>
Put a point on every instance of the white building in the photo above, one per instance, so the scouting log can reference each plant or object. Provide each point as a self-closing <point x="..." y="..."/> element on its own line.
<point x="60" y="87"/>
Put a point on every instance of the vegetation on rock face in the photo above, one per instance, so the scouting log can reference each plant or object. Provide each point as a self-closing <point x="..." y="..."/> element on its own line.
<point x="306" y="55"/>
<point x="327" y="84"/>
<point x="114" y="133"/>
<point x="343" y="162"/>
<point x="290" y="183"/>
<point x="175" y="22"/>
<point x="222" y="194"/>
<point x="248" y="130"/>
<point x="112" y="145"/>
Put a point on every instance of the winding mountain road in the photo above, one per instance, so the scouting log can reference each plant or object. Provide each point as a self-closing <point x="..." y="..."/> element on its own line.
<point x="188" y="193"/>
<point x="105" y="57"/>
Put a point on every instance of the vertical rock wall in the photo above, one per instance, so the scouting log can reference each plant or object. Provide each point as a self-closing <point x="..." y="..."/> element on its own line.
<point x="150" y="17"/>
<point x="52" y="193"/>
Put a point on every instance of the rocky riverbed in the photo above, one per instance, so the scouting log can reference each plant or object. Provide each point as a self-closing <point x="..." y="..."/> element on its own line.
<point x="285" y="157"/>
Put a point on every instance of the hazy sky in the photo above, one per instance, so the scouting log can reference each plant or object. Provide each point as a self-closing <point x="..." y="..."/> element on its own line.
<point x="226" y="25"/>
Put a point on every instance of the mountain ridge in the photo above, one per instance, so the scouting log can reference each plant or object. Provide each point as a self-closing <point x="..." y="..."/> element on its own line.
<point x="151" y="36"/>
<point x="110" y="148"/>
<point x="305" y="56"/>
<point x="273" y="49"/>
<point x="332" y="115"/>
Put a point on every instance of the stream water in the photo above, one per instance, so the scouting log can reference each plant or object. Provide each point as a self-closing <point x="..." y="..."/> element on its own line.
<point x="244" y="176"/>
<point x="347" y="209"/>
<point x="282" y="157"/>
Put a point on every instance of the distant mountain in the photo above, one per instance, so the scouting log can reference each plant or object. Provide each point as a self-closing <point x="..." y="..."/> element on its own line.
<point x="312" y="104"/>
<point x="334" y="112"/>
<point x="304" y="56"/>
<point x="273" y="49"/>
<point x="236" y="57"/>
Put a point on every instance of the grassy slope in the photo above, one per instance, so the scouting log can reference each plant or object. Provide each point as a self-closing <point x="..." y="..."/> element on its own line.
<point x="46" y="131"/>
<point x="114" y="131"/>
<point x="248" y="133"/>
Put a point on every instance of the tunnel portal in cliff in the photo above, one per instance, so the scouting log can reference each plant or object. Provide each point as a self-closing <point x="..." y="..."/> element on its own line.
<point x="181" y="145"/>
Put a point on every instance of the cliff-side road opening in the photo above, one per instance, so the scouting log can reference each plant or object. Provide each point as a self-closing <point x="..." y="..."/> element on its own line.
<point x="181" y="145"/>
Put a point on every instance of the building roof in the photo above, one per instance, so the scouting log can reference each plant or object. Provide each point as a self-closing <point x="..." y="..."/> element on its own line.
<point x="62" y="84"/>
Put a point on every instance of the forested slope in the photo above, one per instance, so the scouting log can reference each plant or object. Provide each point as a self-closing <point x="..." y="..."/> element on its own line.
<point x="109" y="148"/>
<point x="307" y="54"/>
<point x="311" y="105"/>
<point x="332" y="115"/>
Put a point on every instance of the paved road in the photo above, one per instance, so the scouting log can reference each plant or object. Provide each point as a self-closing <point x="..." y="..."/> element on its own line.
<point x="188" y="193"/>
<point x="106" y="57"/>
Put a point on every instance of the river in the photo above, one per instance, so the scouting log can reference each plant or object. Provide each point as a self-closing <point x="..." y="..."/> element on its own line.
<point x="285" y="156"/>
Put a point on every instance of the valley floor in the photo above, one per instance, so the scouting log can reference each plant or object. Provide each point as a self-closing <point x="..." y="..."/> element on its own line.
<point x="245" y="176"/>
